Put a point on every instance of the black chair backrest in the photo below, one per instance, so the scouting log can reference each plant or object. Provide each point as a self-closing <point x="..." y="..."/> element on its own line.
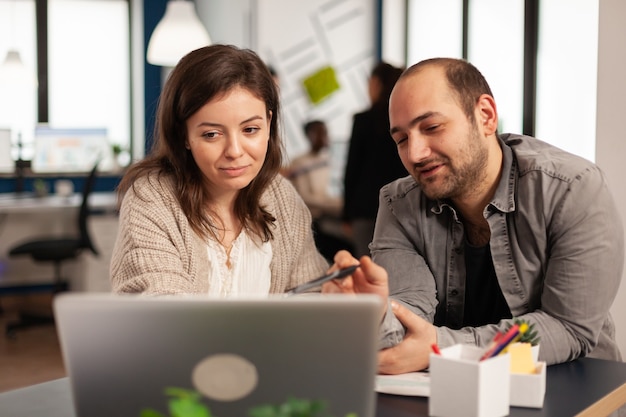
<point x="84" y="211"/>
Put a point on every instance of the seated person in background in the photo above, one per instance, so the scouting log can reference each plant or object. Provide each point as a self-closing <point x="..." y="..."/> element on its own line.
<point x="310" y="174"/>
<point x="488" y="228"/>
<point x="206" y="211"/>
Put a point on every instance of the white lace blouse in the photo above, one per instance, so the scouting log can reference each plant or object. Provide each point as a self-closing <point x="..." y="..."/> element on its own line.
<point x="250" y="273"/>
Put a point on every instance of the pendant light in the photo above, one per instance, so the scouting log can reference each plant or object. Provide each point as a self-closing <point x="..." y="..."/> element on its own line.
<point x="14" y="73"/>
<point x="180" y="31"/>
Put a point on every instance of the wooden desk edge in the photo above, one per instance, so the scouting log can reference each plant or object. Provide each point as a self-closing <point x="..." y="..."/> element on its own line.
<point x="607" y="404"/>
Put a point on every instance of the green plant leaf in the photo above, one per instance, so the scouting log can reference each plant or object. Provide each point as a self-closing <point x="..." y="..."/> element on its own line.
<point x="293" y="407"/>
<point x="148" y="412"/>
<point x="265" y="410"/>
<point x="188" y="407"/>
<point x="182" y="393"/>
<point x="188" y="403"/>
<point x="530" y="336"/>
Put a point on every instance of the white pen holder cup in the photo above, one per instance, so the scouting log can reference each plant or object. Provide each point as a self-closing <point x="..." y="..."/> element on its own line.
<point x="463" y="386"/>
<point x="529" y="390"/>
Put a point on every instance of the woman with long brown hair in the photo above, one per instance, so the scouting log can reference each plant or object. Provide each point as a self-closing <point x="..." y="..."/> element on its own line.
<point x="206" y="211"/>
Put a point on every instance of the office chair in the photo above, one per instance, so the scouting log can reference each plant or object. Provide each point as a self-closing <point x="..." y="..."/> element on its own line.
<point x="56" y="250"/>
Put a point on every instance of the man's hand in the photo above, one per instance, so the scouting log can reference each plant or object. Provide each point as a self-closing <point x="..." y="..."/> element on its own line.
<point x="413" y="353"/>
<point x="369" y="278"/>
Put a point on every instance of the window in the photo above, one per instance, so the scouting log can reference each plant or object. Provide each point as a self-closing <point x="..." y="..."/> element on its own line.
<point x="434" y="29"/>
<point x="567" y="75"/>
<point x="88" y="84"/>
<point x="496" y="48"/>
<point x="563" y="104"/>
<point x="18" y="91"/>
<point x="393" y="23"/>
<point x="89" y="81"/>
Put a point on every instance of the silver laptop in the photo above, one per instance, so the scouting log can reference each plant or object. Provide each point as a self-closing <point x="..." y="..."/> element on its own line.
<point x="125" y="353"/>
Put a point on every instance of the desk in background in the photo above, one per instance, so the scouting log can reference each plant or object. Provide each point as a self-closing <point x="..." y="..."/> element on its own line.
<point x="24" y="216"/>
<point x="21" y="203"/>
<point x="585" y="388"/>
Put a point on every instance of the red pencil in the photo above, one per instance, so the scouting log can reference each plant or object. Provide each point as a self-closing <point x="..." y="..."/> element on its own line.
<point x="502" y="341"/>
<point x="492" y="346"/>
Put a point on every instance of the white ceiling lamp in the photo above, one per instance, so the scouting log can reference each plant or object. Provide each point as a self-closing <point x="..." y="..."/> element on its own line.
<point x="14" y="73"/>
<point x="179" y="32"/>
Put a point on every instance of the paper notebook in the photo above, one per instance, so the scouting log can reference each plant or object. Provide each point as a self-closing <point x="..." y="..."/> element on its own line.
<point x="410" y="383"/>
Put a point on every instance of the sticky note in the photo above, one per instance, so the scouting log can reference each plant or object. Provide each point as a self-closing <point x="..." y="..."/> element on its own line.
<point x="521" y="358"/>
<point x="321" y="84"/>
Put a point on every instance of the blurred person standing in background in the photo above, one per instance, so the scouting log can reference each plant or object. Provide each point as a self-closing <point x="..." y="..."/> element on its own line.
<point x="372" y="160"/>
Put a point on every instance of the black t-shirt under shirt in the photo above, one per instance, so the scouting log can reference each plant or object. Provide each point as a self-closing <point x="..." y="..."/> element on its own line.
<point x="484" y="302"/>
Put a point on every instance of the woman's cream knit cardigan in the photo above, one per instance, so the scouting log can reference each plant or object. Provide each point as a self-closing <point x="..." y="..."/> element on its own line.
<point x="156" y="252"/>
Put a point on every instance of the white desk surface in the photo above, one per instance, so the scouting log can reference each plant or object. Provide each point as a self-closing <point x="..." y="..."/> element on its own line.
<point x="12" y="203"/>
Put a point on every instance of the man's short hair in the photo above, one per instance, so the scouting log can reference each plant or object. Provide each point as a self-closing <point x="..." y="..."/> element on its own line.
<point x="463" y="78"/>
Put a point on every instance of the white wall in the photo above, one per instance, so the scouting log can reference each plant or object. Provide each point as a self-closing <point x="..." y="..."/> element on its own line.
<point x="227" y="21"/>
<point x="610" y="132"/>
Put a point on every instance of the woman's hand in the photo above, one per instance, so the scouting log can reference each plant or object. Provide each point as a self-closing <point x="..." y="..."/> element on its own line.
<point x="413" y="353"/>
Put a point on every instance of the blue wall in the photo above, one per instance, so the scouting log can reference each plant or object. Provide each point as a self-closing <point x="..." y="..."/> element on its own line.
<point x="153" y="11"/>
<point x="103" y="183"/>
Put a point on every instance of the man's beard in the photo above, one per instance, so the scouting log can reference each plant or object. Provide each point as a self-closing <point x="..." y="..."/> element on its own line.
<point x="461" y="179"/>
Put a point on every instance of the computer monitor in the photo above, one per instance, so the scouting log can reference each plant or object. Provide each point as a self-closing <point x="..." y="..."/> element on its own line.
<point x="7" y="164"/>
<point x="71" y="150"/>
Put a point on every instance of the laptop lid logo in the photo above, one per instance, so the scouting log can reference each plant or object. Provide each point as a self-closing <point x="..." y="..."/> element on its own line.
<point x="225" y="377"/>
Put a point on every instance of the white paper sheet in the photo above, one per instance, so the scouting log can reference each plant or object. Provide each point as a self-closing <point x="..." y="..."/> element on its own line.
<point x="410" y="384"/>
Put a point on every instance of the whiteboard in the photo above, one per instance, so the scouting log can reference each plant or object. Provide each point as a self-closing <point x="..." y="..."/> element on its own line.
<point x="299" y="39"/>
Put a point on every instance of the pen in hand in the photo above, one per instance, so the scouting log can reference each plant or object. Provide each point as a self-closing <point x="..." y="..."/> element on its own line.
<point x="340" y="273"/>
